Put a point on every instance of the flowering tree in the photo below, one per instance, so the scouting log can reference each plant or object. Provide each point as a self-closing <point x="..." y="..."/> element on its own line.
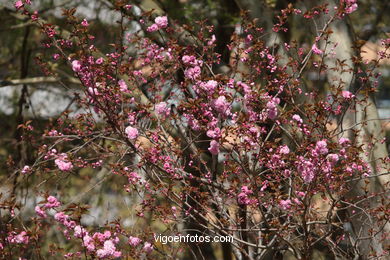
<point x="247" y="152"/>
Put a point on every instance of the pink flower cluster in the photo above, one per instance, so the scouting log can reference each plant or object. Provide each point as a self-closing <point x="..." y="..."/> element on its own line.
<point x="285" y="204"/>
<point x="163" y="109"/>
<point x="51" y="202"/>
<point x="350" y="6"/>
<point x="135" y="241"/>
<point x="272" y="108"/>
<point x="306" y="169"/>
<point x="297" y="118"/>
<point x="192" y="72"/>
<point x="347" y="95"/>
<point x="26" y="169"/>
<point x="19" y="4"/>
<point x="316" y="50"/>
<point x="123" y="86"/>
<point x="215" y="134"/>
<point x="85" y="23"/>
<point x="15" y="238"/>
<point x="160" y="22"/>
<point x="243" y="196"/>
<point x="132" y="132"/>
<point x="320" y="149"/>
<point x="208" y="87"/>
<point x="214" y="147"/>
<point x="65" y="220"/>
<point x="63" y="163"/>
<point x="103" y="245"/>
<point x="193" y="69"/>
<point x="76" y="66"/>
<point x="222" y="106"/>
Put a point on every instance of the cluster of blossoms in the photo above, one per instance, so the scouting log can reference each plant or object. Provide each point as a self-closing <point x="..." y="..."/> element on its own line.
<point x="272" y="108"/>
<point x="19" y="4"/>
<point x="193" y="67"/>
<point x="160" y="22"/>
<point x="123" y="86"/>
<point x="316" y="50"/>
<point x="103" y="245"/>
<point x="63" y="162"/>
<point x="243" y="196"/>
<point x="15" y="238"/>
<point x="132" y="132"/>
<point x="322" y="163"/>
<point x="162" y="109"/>
<point x="51" y="203"/>
<point x="350" y="5"/>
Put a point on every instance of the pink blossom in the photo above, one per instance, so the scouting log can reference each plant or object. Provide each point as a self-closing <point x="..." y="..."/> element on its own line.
<point x="89" y="243"/>
<point x="216" y="133"/>
<point x="79" y="231"/>
<point x="122" y="85"/>
<point x="99" y="60"/>
<point x="52" y="202"/>
<point x="284" y="149"/>
<point x="162" y="109"/>
<point x="321" y="147"/>
<point x="344" y="140"/>
<point x="189" y="60"/>
<point x="306" y="169"/>
<point x="315" y="49"/>
<point x="297" y="118"/>
<point x="210" y="85"/>
<point x="18" y="4"/>
<point x="243" y="196"/>
<point x="26" y="169"/>
<point x="34" y="16"/>
<point x="347" y="95"/>
<point x="62" y="163"/>
<point x="56" y="56"/>
<point x="221" y="105"/>
<point x="285" y="204"/>
<point x="161" y="21"/>
<point x="333" y="158"/>
<point x="244" y="86"/>
<point x="132" y="132"/>
<point x="61" y="217"/>
<point x="102" y="236"/>
<point x="108" y="250"/>
<point x="133" y="177"/>
<point x="76" y="66"/>
<point x="20" y="238"/>
<point x="152" y="28"/>
<point x="192" y="73"/>
<point x="134" y="241"/>
<point x="212" y="41"/>
<point x="351" y="6"/>
<point x="93" y="91"/>
<point x="148" y="247"/>
<point x="272" y="109"/>
<point x="84" y="23"/>
<point x="214" y="147"/>
<point x="40" y="212"/>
